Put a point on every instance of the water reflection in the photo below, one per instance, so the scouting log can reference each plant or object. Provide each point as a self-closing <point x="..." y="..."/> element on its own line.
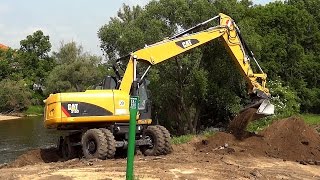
<point x="21" y="135"/>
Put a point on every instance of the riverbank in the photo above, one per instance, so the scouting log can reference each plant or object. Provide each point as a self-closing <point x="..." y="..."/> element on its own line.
<point x="8" y="117"/>
<point x="35" y="110"/>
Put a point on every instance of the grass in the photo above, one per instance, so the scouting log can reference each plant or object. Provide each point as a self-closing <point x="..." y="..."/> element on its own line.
<point x="34" y="110"/>
<point x="208" y="133"/>
<point x="188" y="137"/>
<point x="182" y="139"/>
<point x="311" y="119"/>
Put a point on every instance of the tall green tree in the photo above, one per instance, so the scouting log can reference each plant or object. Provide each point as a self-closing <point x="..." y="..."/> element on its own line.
<point x="33" y="60"/>
<point x="75" y="71"/>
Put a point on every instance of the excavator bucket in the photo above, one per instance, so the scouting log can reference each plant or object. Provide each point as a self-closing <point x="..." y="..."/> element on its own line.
<point x="266" y="108"/>
<point x="263" y="108"/>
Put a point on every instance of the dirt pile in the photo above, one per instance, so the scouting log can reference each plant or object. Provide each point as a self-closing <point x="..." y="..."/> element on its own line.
<point x="35" y="157"/>
<point x="288" y="139"/>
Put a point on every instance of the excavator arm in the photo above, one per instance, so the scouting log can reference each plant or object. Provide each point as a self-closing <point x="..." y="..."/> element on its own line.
<point x="229" y="33"/>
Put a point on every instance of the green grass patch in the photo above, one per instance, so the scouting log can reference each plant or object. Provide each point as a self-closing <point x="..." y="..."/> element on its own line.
<point x="34" y="110"/>
<point x="208" y="133"/>
<point x="182" y="139"/>
<point x="312" y="119"/>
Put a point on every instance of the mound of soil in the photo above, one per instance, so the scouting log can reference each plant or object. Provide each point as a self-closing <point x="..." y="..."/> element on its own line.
<point x="288" y="139"/>
<point x="35" y="157"/>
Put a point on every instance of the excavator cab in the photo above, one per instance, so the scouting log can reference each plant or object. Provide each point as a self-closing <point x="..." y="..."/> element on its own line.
<point x="109" y="82"/>
<point x="112" y="82"/>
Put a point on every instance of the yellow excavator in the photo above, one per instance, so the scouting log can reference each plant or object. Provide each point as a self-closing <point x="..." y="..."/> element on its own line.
<point x="97" y="120"/>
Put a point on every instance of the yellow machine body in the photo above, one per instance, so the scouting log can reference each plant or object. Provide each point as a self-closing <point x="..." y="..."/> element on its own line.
<point x="91" y="106"/>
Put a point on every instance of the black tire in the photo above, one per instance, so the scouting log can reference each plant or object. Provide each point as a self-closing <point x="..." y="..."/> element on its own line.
<point x="167" y="140"/>
<point x="111" y="143"/>
<point x="158" y="143"/>
<point x="67" y="150"/>
<point x="94" y="144"/>
<point x="59" y="146"/>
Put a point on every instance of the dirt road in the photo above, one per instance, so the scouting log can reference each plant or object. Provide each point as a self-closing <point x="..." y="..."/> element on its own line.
<point x="182" y="164"/>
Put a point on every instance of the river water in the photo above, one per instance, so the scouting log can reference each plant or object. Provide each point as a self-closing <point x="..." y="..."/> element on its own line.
<point x="21" y="135"/>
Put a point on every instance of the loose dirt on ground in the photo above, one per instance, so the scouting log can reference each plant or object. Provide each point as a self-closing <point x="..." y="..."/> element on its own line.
<point x="287" y="149"/>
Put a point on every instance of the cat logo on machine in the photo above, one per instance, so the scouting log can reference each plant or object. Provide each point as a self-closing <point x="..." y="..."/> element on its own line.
<point x="73" y="108"/>
<point x="187" y="43"/>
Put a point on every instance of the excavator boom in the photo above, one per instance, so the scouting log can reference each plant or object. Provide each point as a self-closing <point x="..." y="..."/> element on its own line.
<point x="229" y="33"/>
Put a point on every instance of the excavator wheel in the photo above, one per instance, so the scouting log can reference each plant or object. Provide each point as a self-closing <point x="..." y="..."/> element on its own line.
<point x="155" y="135"/>
<point x="94" y="144"/>
<point x="167" y="140"/>
<point x="67" y="150"/>
<point x="111" y="143"/>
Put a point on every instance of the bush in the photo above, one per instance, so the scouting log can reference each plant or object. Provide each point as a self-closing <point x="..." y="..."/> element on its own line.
<point x="285" y="100"/>
<point x="14" y="96"/>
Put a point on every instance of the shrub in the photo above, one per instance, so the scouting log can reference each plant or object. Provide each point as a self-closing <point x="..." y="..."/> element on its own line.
<point x="14" y="96"/>
<point x="285" y="100"/>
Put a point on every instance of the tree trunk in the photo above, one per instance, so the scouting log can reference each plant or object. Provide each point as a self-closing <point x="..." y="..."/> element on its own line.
<point x="196" y="118"/>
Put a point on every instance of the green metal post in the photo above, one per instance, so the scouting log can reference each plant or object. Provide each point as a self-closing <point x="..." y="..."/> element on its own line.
<point x="134" y="103"/>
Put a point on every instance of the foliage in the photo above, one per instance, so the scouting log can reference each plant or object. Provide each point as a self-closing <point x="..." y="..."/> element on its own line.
<point x="208" y="133"/>
<point x="285" y="99"/>
<point x="33" y="60"/>
<point x="75" y="70"/>
<point x="34" y="110"/>
<point x="14" y="96"/>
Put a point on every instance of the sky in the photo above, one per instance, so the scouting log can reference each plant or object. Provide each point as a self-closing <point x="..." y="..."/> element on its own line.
<point x="63" y="20"/>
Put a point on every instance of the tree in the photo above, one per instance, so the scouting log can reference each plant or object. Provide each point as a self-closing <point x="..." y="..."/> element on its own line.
<point x="6" y="62"/>
<point x="33" y="60"/>
<point x="76" y="70"/>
